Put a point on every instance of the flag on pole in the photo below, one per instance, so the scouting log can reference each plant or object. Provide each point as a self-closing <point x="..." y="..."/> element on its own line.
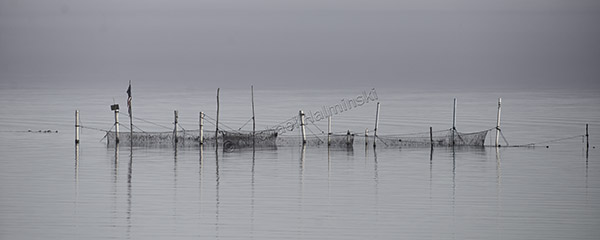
<point x="129" y="99"/>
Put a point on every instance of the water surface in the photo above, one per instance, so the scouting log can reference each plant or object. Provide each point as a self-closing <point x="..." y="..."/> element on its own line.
<point x="294" y="192"/>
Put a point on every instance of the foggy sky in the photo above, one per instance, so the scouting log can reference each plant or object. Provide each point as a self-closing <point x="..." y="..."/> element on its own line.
<point x="301" y="43"/>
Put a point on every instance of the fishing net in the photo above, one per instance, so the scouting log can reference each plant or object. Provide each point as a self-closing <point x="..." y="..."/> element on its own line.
<point x="335" y="140"/>
<point x="228" y="139"/>
<point x="231" y="140"/>
<point x="448" y="137"/>
<point x="160" y="139"/>
<point x="238" y="139"/>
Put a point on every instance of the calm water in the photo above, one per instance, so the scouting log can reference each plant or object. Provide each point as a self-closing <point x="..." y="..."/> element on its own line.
<point x="296" y="193"/>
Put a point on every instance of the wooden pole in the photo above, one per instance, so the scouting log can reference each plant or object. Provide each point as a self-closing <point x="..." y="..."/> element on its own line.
<point x="116" y="126"/>
<point x="77" y="127"/>
<point x="587" y="137"/>
<point x="498" y="122"/>
<point x="366" y="136"/>
<point x="176" y="113"/>
<point x="130" y="116"/>
<point x="329" y="131"/>
<point x="431" y="136"/>
<point x="253" y="117"/>
<point x="376" y="126"/>
<point x="201" y="127"/>
<point x="217" y="120"/>
<point x="302" y="127"/>
<point x="453" y="121"/>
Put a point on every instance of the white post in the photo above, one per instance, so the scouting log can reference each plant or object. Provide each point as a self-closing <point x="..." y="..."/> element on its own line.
<point x="453" y="121"/>
<point x="329" y="131"/>
<point x="201" y="134"/>
<point x="302" y="127"/>
<point x="77" y="127"/>
<point x="348" y="138"/>
<point x="175" y="126"/>
<point x="498" y="122"/>
<point x="117" y="126"/>
<point x="376" y="126"/>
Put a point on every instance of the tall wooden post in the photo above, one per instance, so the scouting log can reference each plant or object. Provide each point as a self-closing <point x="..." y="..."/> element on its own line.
<point x="77" y="127"/>
<point x="376" y="126"/>
<point x="453" y="121"/>
<point x="201" y="127"/>
<point x="117" y="125"/>
<point x="130" y="111"/>
<point x="587" y="137"/>
<point x="431" y="136"/>
<point x="329" y="131"/>
<point x="302" y="127"/>
<point x="498" y="122"/>
<point x="176" y="113"/>
<point x="217" y="120"/>
<point x="253" y="117"/>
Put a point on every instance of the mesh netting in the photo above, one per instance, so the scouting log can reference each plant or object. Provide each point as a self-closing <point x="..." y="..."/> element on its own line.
<point x="448" y="137"/>
<point x="262" y="139"/>
<point x="335" y="140"/>
<point x="160" y="139"/>
<point x="231" y="140"/>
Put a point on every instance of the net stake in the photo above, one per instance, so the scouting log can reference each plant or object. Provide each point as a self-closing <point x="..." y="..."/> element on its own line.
<point x="130" y="111"/>
<point x="431" y="136"/>
<point x="302" y="127"/>
<point x="498" y="122"/>
<point x="253" y="117"/>
<point x="201" y="127"/>
<point x="77" y="127"/>
<point x="366" y="136"/>
<point x="328" y="130"/>
<point x="217" y="120"/>
<point x="587" y="138"/>
<point x="117" y="125"/>
<point x="348" y="138"/>
<point x="453" y="121"/>
<point x="176" y="113"/>
<point x="376" y="125"/>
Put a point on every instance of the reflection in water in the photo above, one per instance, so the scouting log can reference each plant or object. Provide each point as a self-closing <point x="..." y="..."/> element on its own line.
<point x="385" y="198"/>
<point x="217" y="202"/>
<point x="76" y="162"/>
<point x="129" y="178"/>
<point x="115" y="187"/>
<point x="175" y="178"/>
<point x="200" y="177"/>
<point x="453" y="191"/>
<point x="376" y="172"/>
<point x="498" y="188"/>
<point x="252" y="193"/>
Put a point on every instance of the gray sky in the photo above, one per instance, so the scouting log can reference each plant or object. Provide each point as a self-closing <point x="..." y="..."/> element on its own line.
<point x="301" y="43"/>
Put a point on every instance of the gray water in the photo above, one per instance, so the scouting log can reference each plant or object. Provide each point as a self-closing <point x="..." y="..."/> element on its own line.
<point x="551" y="191"/>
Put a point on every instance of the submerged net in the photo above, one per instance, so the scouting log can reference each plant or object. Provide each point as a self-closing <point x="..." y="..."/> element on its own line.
<point x="449" y="137"/>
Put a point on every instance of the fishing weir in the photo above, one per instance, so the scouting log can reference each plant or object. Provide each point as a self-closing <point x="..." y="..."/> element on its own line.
<point x="271" y="138"/>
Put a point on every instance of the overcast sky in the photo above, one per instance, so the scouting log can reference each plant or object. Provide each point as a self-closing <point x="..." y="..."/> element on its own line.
<point x="301" y="43"/>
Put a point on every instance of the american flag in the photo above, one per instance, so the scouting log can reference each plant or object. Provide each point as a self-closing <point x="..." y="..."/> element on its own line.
<point x="129" y="99"/>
